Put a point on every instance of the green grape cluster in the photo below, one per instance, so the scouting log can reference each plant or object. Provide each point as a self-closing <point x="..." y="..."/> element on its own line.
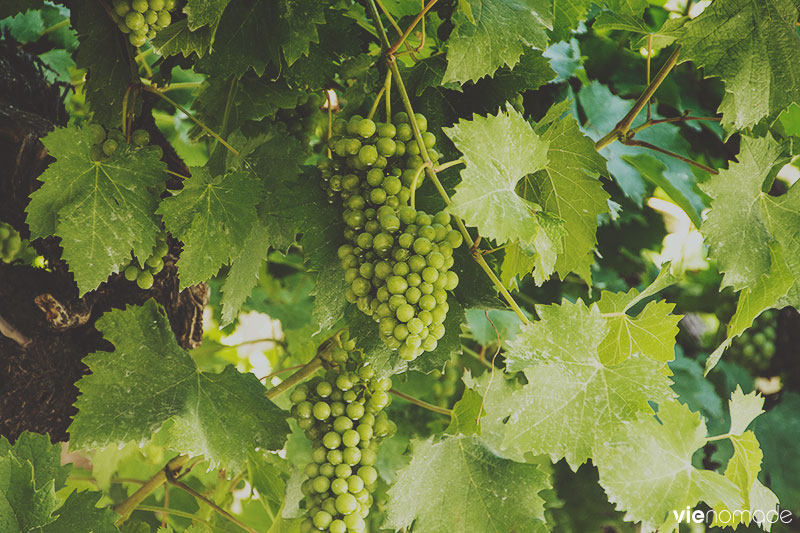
<point x="302" y="121"/>
<point x="143" y="274"/>
<point x="107" y="143"/>
<point x="343" y="415"/>
<point x="10" y="242"/>
<point x="142" y="19"/>
<point x="397" y="259"/>
<point x="755" y="347"/>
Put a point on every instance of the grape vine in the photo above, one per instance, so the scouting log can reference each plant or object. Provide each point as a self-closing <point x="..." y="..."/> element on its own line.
<point x="232" y="233"/>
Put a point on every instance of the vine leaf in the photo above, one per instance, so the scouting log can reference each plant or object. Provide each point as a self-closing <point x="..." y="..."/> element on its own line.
<point x="496" y="34"/>
<point x="243" y="23"/>
<point x="150" y="380"/>
<point x="572" y="400"/>
<point x="744" y="408"/>
<point x="300" y="18"/>
<point x="466" y="414"/>
<point x="179" y="38"/>
<point x="212" y="216"/>
<point x="568" y="188"/>
<point x="665" y="36"/>
<point x="80" y="513"/>
<point x="204" y="12"/>
<point x="650" y="333"/>
<point x="23" y="506"/>
<point x="473" y="490"/>
<point x="495" y="162"/>
<point x="30" y="475"/>
<point x="566" y="16"/>
<point x="770" y="291"/>
<point x="100" y="210"/>
<point x="647" y="457"/>
<point x="778" y="432"/>
<point x="747" y="44"/>
<point x="735" y="229"/>
<point x="272" y="159"/>
<point x="104" y="51"/>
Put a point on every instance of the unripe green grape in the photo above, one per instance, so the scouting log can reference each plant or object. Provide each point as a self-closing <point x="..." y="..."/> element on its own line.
<point x="353" y="146"/>
<point x="331" y="440"/>
<point x="98" y="133"/>
<point x="429" y="344"/>
<point x="351" y="456"/>
<point x="131" y="273"/>
<point x="350" y="438"/>
<point x="339" y="486"/>
<point x="137" y="39"/>
<point x="452" y="281"/>
<point x="334" y="457"/>
<point x="321" y="484"/>
<point x="134" y="20"/>
<point x="355" y="411"/>
<point x="346" y="504"/>
<point x="343" y="471"/>
<point x="368" y="474"/>
<point x="428" y="138"/>
<point x="150" y="16"/>
<point x="156" y="5"/>
<point x="338" y="526"/>
<point x="322" y="411"/>
<point x="121" y="8"/>
<point x="366" y="128"/>
<point x="382" y="242"/>
<point x="368" y="154"/>
<point x="305" y="409"/>
<point x="412" y="148"/>
<point x="144" y="280"/>
<point x="337" y="409"/>
<point x="386" y="147"/>
<point x="109" y="147"/>
<point x="326" y="469"/>
<point x="387" y="130"/>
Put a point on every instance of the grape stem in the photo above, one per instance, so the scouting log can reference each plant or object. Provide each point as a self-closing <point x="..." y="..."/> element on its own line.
<point x="305" y="372"/>
<point x="414" y="184"/>
<point x="445" y="166"/>
<point x="410" y="28"/>
<point x="219" y="510"/>
<point x="125" y="508"/>
<point x="401" y="88"/>
<point x="422" y="403"/>
<point x="175" y="512"/>
<point x="191" y="117"/>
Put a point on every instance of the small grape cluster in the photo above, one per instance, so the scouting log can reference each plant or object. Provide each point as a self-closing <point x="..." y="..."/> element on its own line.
<point x="342" y="414"/>
<point x="142" y="19"/>
<point x="398" y="259"/>
<point x="107" y="143"/>
<point x="10" y="243"/>
<point x="143" y="274"/>
<point x="303" y="120"/>
<point x="756" y="346"/>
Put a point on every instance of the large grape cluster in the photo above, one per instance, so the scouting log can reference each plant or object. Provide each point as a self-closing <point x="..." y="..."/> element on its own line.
<point x="342" y="414"/>
<point x="397" y="259"/>
<point x="756" y="346"/>
<point x="142" y="19"/>
<point x="10" y="243"/>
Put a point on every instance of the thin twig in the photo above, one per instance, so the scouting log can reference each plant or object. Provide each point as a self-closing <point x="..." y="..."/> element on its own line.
<point x="174" y="512"/>
<point x="477" y="356"/>
<point x="644" y="144"/>
<point x="125" y="508"/>
<point x="445" y="166"/>
<point x="13" y="333"/>
<point x="422" y="403"/>
<point x="279" y="372"/>
<point x="308" y="370"/>
<point x="413" y="25"/>
<point x="649" y="55"/>
<point x="219" y="510"/>
<point x="491" y="375"/>
<point x="191" y="117"/>
<point x="682" y="118"/>
<point x="622" y="127"/>
<point x="376" y="102"/>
